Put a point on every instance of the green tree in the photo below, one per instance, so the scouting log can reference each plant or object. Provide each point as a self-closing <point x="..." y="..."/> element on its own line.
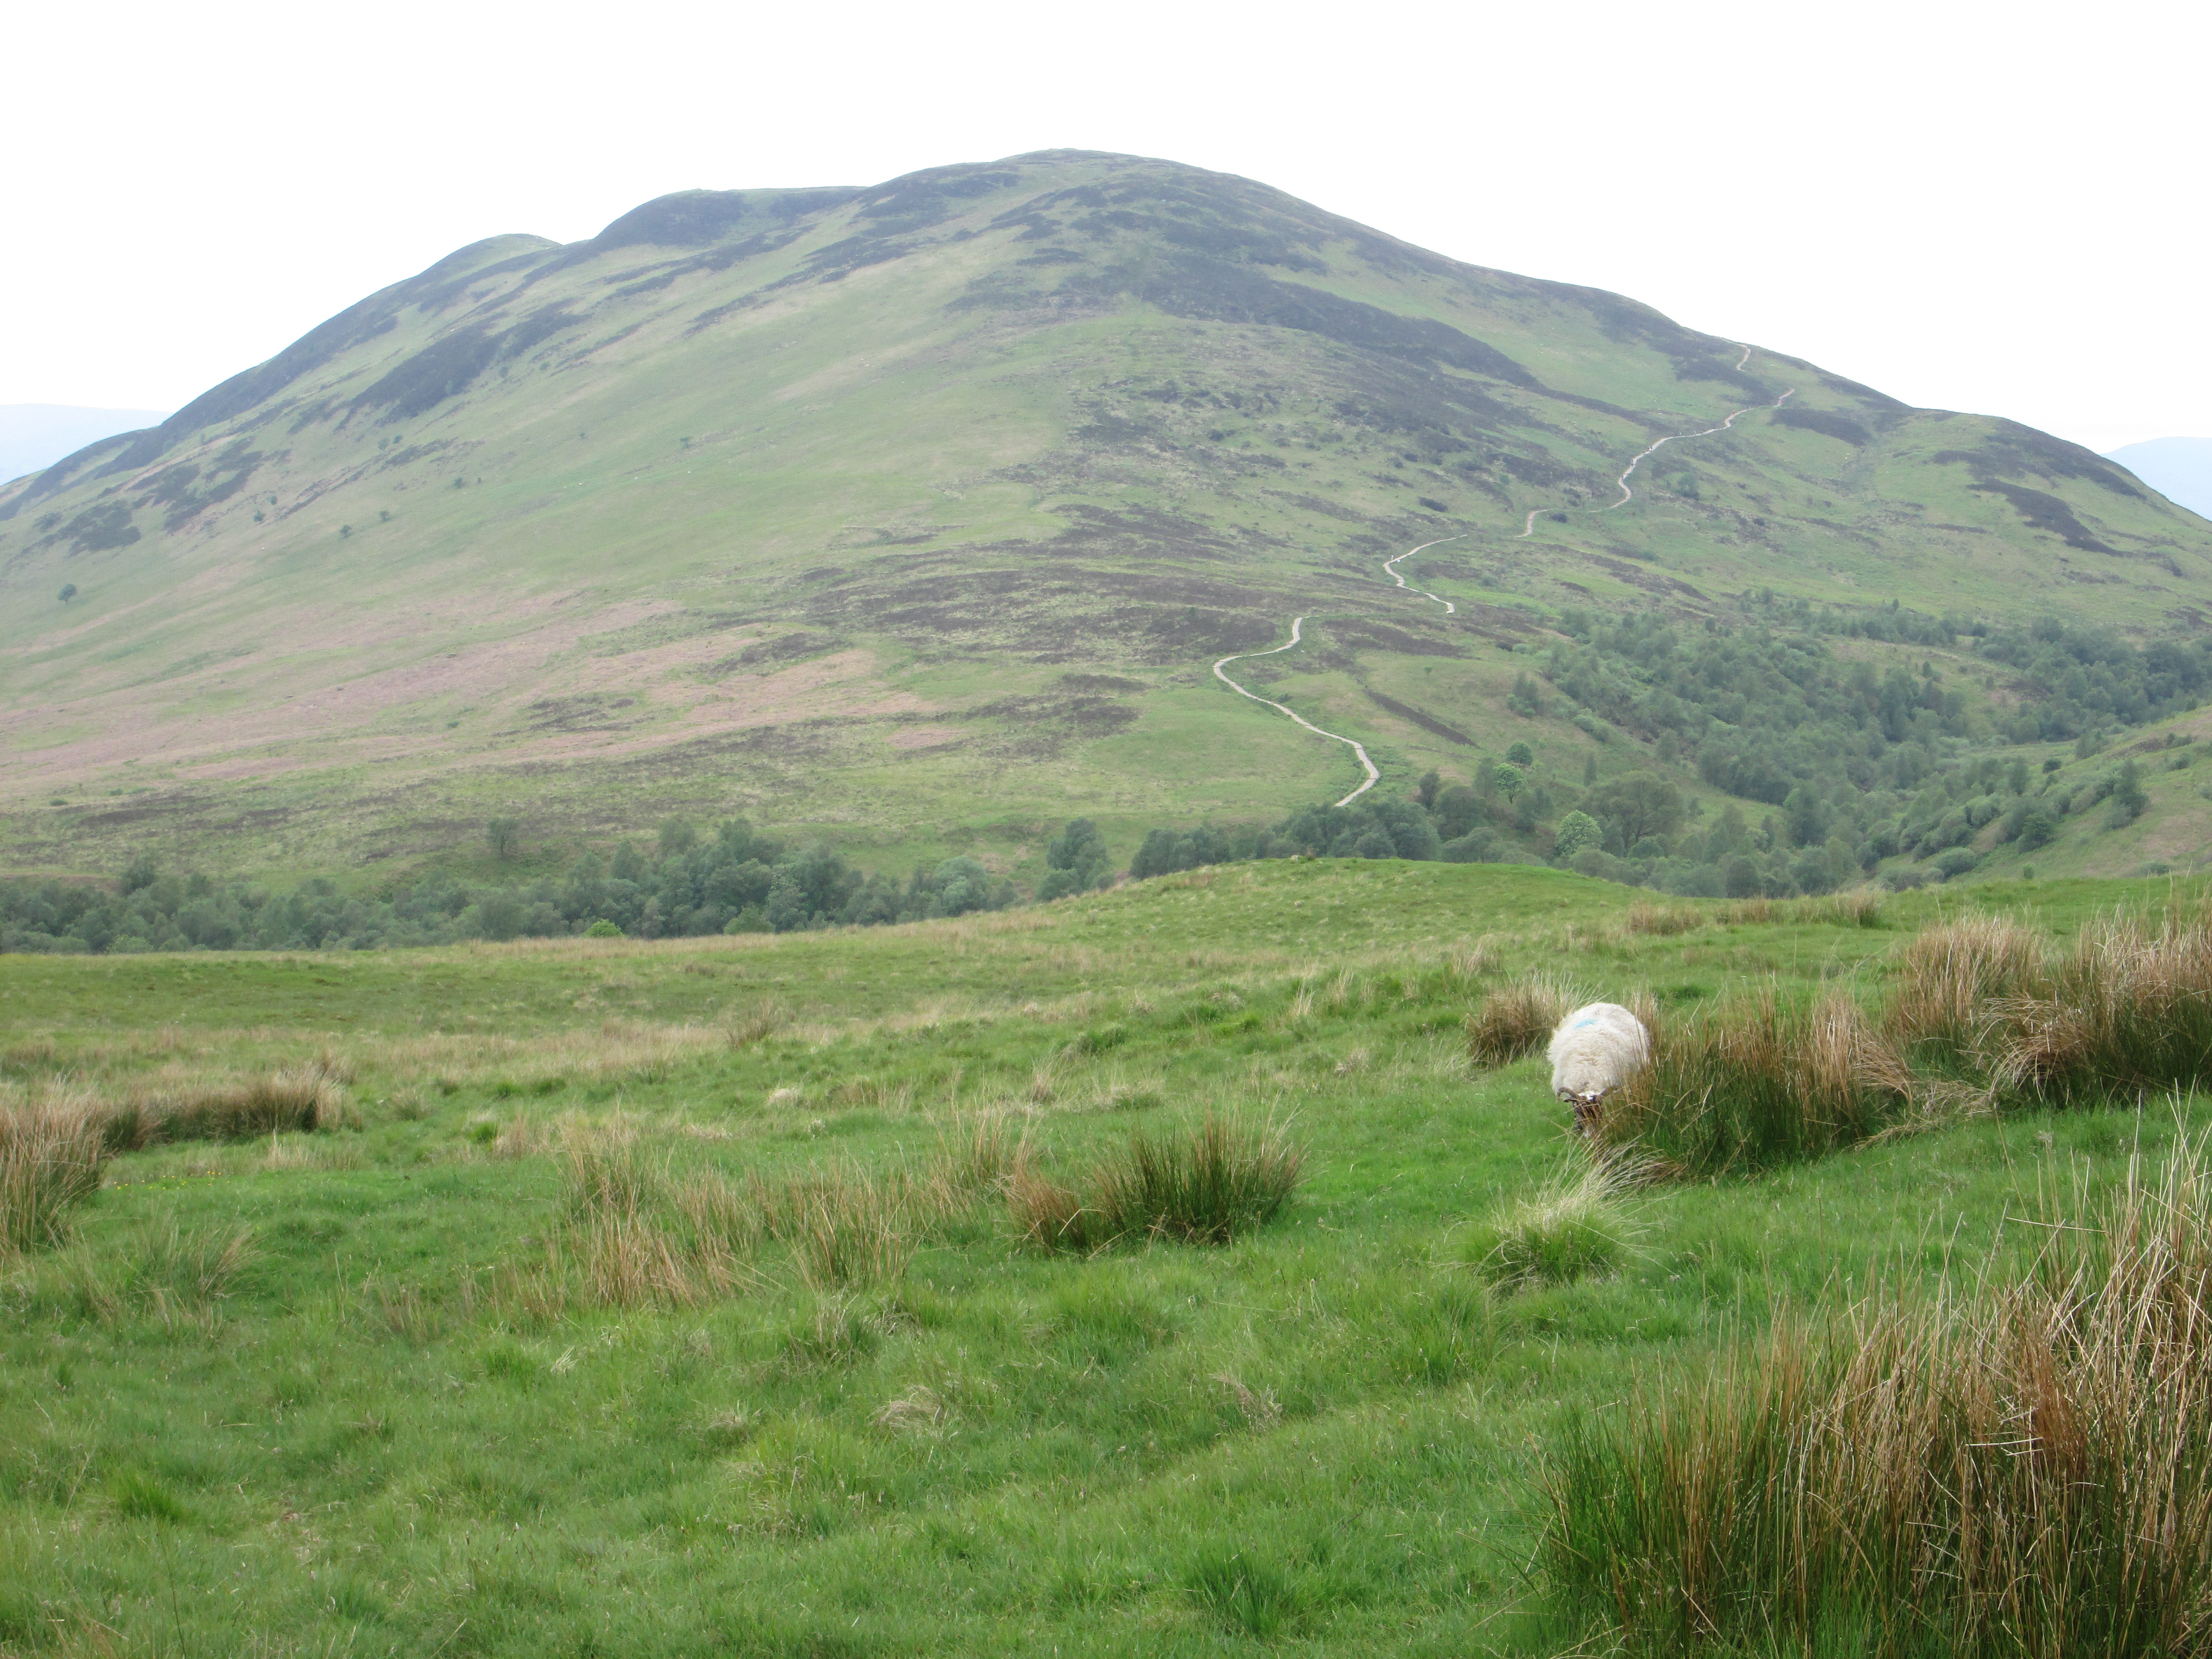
<point x="68" y="592"/>
<point x="1432" y="781"/>
<point x="1740" y="877"/>
<point x="1806" y="816"/>
<point x="2016" y="777"/>
<point x="504" y="836"/>
<point x="1577" y="832"/>
<point x="1076" y="860"/>
<point x="678" y="837"/>
<point x="1507" y="779"/>
<point x="1638" y="805"/>
<point x="2128" y="798"/>
<point x="1522" y="756"/>
<point x="1458" y="811"/>
<point x="1842" y="863"/>
<point x="2038" y="827"/>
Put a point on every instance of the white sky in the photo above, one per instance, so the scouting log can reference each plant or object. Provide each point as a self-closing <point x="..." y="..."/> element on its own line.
<point x="1995" y="207"/>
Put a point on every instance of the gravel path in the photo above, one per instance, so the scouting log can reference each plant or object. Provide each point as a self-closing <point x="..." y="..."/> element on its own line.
<point x="1529" y="526"/>
<point x="1390" y="569"/>
<point x="1296" y="622"/>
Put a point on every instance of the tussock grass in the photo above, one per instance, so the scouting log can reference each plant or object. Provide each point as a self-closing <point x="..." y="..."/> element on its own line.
<point x="295" y="1100"/>
<point x="2126" y="1011"/>
<point x="634" y="1233"/>
<point x="1946" y="978"/>
<point x="1758" y="1082"/>
<point x="1645" y="917"/>
<point x="51" y="1149"/>
<point x="1576" y="1228"/>
<point x="2024" y="1472"/>
<point x="168" y="1272"/>
<point x="1518" y="1020"/>
<point x="1209" y="1187"/>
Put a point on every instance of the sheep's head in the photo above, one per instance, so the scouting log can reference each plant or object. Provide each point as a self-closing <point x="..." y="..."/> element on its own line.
<point x="1586" y="1103"/>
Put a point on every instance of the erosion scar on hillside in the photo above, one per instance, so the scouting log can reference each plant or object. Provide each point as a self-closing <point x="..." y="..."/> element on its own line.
<point x="1357" y="748"/>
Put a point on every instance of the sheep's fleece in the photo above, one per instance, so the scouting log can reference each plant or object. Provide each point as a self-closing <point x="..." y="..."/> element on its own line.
<point x="1593" y="1052"/>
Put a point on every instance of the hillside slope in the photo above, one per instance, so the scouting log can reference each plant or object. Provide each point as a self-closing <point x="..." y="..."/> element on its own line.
<point x="918" y="512"/>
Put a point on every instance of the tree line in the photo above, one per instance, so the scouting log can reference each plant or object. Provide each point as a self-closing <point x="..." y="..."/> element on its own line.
<point x="734" y="879"/>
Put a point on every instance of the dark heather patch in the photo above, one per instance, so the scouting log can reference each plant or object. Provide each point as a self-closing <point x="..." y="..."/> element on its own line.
<point x="60" y="474"/>
<point x="1381" y="636"/>
<point x="181" y="489"/>
<point x="584" y="714"/>
<point x="695" y="218"/>
<point x="2013" y="451"/>
<point x="1428" y="723"/>
<point x="1325" y="508"/>
<point x="786" y="648"/>
<point x="98" y="530"/>
<point x="448" y="366"/>
<point x="2048" y="514"/>
<point x="353" y="326"/>
<point x="1102" y="683"/>
<point x="1826" y="421"/>
<point x="1216" y="291"/>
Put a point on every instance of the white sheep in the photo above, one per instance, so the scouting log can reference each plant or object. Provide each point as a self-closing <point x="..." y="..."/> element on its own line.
<point x="1593" y="1052"/>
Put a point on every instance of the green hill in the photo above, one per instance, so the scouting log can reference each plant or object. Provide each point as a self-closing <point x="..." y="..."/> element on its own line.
<point x="914" y="517"/>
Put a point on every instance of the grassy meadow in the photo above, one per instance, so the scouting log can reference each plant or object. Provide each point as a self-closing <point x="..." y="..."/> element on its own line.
<point x="711" y="1295"/>
<point x="719" y="1295"/>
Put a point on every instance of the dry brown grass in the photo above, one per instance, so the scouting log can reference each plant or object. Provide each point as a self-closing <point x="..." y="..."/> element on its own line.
<point x="2126" y="1010"/>
<point x="1948" y="977"/>
<point x="2028" y="1472"/>
<point x="1518" y="1020"/>
<point x="50" y="1148"/>
<point x="1645" y="917"/>
<point x="755" y="1025"/>
<point x="297" y="1099"/>
<point x="634" y="1233"/>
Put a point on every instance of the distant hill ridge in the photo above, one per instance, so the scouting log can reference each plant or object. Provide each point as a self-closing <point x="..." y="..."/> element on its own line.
<point x="838" y="506"/>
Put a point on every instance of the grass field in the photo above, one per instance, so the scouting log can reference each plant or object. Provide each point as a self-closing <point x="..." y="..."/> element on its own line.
<point x="417" y="1381"/>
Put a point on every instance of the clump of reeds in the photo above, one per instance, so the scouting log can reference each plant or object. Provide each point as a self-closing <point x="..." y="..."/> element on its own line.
<point x="1578" y="1227"/>
<point x="50" y="1148"/>
<point x="633" y="1232"/>
<point x="1948" y="979"/>
<point x="2126" y="1010"/>
<point x="2022" y="1472"/>
<point x="1645" y="917"/>
<point x="299" y="1099"/>
<point x="755" y="1025"/>
<point x="1757" y="1082"/>
<point x="1208" y="1187"/>
<point x="168" y="1272"/>
<point x="1517" y="1019"/>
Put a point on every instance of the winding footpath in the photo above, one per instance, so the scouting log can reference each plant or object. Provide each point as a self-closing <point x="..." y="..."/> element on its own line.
<point x="1390" y="569"/>
<point x="1528" y="528"/>
<point x="1357" y="748"/>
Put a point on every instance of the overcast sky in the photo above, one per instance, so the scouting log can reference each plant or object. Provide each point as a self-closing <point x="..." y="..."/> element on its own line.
<point x="1987" y="207"/>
